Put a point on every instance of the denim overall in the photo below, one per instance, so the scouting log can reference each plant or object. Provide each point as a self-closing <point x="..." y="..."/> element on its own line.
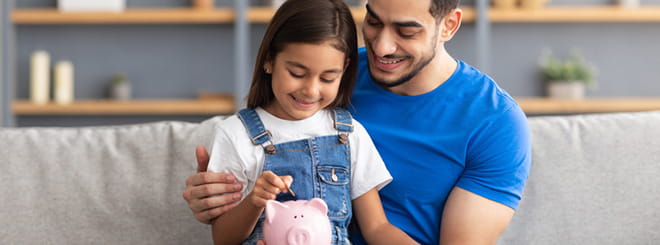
<point x="320" y="167"/>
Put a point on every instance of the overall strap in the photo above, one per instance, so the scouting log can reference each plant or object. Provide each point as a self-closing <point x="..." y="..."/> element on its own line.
<point x="343" y="123"/>
<point x="258" y="133"/>
<point x="343" y="120"/>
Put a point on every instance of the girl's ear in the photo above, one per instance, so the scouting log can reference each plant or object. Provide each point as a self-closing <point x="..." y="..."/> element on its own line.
<point x="268" y="67"/>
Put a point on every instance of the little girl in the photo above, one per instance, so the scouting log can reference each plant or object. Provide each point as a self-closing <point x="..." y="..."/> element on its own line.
<point x="296" y="134"/>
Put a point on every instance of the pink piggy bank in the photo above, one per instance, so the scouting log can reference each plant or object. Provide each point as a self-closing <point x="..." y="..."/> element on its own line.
<point x="297" y="223"/>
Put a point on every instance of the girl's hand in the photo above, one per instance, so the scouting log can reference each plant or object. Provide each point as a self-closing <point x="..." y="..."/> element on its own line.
<point x="267" y="186"/>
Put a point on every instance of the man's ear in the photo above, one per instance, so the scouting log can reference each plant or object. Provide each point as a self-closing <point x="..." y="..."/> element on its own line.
<point x="449" y="24"/>
<point x="346" y="63"/>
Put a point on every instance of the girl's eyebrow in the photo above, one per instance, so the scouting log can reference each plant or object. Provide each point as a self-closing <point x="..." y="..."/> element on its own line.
<point x="296" y="64"/>
<point x="301" y="66"/>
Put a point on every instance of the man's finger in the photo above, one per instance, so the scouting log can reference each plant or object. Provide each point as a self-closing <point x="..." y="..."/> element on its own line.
<point x="201" y="191"/>
<point x="202" y="158"/>
<point x="208" y="215"/>
<point x="210" y="178"/>
<point x="212" y="202"/>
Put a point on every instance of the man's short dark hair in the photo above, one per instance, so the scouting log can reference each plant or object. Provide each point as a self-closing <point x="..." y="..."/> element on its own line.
<point x="440" y="8"/>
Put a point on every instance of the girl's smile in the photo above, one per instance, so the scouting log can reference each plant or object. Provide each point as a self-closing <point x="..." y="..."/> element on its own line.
<point x="305" y="79"/>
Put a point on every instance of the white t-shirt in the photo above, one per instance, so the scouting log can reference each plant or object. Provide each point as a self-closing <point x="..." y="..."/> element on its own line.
<point x="233" y="152"/>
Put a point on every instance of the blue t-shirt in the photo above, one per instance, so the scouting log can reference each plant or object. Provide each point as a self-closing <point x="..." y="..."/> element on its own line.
<point x="467" y="132"/>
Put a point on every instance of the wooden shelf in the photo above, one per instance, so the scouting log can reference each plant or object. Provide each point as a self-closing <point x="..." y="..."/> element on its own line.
<point x="264" y="14"/>
<point x="532" y="105"/>
<point x="50" y="16"/>
<point x="130" y="16"/>
<point x="131" y="107"/>
<point x="577" y="14"/>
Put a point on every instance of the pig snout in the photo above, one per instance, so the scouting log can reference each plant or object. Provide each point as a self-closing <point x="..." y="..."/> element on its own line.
<point x="299" y="236"/>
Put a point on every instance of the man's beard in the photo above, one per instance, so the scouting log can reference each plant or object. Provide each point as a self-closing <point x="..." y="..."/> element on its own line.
<point x="406" y="77"/>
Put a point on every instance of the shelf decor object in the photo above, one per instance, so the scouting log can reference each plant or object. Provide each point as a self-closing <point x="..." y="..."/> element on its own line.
<point x="567" y="79"/>
<point x="276" y="3"/>
<point x="120" y="88"/>
<point x="629" y="3"/>
<point x="504" y="4"/>
<point x="64" y="80"/>
<point x="39" y="77"/>
<point x="203" y="4"/>
<point x="532" y="4"/>
<point x="91" y="6"/>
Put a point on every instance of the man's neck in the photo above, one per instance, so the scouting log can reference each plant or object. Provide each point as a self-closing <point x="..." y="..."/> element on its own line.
<point x="439" y="70"/>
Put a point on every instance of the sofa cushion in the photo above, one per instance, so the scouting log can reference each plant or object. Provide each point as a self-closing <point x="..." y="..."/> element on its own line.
<point x="594" y="180"/>
<point x="100" y="185"/>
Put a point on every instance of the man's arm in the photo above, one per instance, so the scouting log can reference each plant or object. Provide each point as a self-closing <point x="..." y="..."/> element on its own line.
<point x="373" y="223"/>
<point x="472" y="219"/>
<point x="203" y="189"/>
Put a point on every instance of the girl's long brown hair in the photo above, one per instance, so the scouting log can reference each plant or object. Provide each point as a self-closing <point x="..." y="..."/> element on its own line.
<point x="306" y="21"/>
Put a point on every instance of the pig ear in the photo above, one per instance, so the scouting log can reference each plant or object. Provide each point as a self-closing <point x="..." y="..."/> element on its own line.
<point x="319" y="204"/>
<point x="271" y="209"/>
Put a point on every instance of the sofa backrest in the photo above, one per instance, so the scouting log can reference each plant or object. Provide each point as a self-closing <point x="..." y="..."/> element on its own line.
<point x="100" y="185"/>
<point x="595" y="180"/>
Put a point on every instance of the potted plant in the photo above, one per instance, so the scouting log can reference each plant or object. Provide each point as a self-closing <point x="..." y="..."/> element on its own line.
<point x="120" y="88"/>
<point x="568" y="78"/>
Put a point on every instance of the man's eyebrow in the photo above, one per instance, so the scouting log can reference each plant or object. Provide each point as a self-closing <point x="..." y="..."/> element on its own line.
<point x="399" y="24"/>
<point x="408" y="24"/>
<point x="371" y="12"/>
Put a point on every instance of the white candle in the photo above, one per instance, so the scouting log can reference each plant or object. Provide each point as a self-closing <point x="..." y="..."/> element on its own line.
<point x="277" y="3"/>
<point x="39" y="77"/>
<point x="629" y="3"/>
<point x="64" y="82"/>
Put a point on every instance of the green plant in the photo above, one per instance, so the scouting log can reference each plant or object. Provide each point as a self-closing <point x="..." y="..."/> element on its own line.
<point x="118" y="78"/>
<point x="573" y="69"/>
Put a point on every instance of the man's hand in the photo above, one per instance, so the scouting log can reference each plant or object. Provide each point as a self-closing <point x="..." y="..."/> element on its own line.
<point x="203" y="190"/>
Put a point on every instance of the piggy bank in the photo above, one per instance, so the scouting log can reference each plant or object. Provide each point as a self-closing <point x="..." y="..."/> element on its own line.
<point x="297" y="223"/>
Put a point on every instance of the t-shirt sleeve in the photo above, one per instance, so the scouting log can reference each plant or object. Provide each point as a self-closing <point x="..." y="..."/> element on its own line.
<point x="499" y="158"/>
<point x="225" y="158"/>
<point x="369" y="170"/>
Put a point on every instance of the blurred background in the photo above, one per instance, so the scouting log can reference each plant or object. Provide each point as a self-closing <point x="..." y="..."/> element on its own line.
<point x="148" y="60"/>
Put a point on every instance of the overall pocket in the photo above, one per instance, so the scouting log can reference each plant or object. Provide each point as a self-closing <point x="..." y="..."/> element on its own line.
<point x="335" y="189"/>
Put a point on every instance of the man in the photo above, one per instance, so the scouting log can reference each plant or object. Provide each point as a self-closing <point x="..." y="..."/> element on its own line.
<point x="456" y="144"/>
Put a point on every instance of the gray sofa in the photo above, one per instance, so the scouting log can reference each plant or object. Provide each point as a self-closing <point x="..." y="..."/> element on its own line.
<point x="594" y="180"/>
